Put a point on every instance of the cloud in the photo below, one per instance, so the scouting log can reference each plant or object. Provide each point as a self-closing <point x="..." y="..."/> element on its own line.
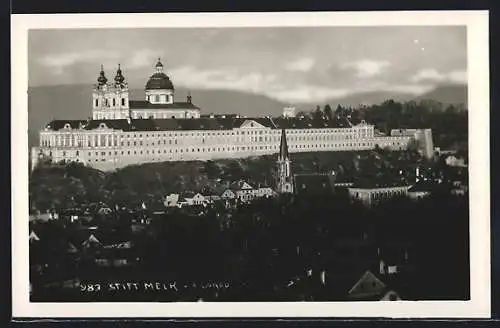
<point x="300" y="65"/>
<point x="366" y="68"/>
<point x="58" y="62"/>
<point x="142" y="58"/>
<point x="306" y="94"/>
<point x="433" y="76"/>
<point x="227" y="78"/>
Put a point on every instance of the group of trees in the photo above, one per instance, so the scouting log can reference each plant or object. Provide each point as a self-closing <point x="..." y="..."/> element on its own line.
<point x="67" y="186"/>
<point x="449" y="123"/>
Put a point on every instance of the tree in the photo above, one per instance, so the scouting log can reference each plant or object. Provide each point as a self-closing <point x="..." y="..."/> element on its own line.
<point x="318" y="114"/>
<point x="328" y="112"/>
<point x="339" y="111"/>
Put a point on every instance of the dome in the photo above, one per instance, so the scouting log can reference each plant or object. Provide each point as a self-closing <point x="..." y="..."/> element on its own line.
<point x="159" y="81"/>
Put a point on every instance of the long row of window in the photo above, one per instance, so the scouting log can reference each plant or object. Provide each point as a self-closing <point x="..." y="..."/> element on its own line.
<point x="212" y="149"/>
<point x="112" y="140"/>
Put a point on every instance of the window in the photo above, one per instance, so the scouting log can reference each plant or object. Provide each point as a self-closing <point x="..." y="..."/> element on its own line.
<point x="157" y="98"/>
<point x="114" y="102"/>
<point x="96" y="102"/>
<point x="123" y="101"/>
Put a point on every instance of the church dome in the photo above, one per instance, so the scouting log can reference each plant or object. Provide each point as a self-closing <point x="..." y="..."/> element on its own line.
<point x="159" y="80"/>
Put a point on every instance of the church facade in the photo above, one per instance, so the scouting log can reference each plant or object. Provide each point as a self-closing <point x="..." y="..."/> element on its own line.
<point x="160" y="128"/>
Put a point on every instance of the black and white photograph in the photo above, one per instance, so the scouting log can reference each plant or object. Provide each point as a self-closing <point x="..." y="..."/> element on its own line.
<point x="328" y="161"/>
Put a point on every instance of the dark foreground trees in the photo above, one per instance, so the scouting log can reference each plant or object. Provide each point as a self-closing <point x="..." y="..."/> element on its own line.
<point x="264" y="248"/>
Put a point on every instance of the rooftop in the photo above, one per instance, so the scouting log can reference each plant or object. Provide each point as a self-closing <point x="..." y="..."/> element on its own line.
<point x="216" y="123"/>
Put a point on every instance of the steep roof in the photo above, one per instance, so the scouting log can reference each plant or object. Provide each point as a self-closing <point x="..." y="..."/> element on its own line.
<point x="314" y="184"/>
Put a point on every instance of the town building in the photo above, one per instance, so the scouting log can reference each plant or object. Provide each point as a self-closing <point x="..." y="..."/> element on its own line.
<point x="159" y="128"/>
<point x="373" y="195"/>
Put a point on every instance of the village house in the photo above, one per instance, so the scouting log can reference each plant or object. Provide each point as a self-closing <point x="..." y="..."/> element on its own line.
<point x="370" y="288"/>
<point x="372" y="195"/>
<point x="455" y="161"/>
<point x="421" y="190"/>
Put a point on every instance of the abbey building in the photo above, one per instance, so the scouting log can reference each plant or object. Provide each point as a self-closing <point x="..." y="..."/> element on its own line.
<point x="159" y="127"/>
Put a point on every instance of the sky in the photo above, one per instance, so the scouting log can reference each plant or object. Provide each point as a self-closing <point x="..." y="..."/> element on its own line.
<point x="290" y="64"/>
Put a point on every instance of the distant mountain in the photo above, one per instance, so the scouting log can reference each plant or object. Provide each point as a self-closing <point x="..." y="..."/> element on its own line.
<point x="455" y="94"/>
<point x="74" y="102"/>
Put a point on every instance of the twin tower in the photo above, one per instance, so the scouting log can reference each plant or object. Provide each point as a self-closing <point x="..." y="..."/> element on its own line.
<point x="110" y="99"/>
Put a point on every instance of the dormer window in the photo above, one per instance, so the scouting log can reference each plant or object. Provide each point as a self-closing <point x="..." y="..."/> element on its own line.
<point x="102" y="126"/>
<point x="67" y="126"/>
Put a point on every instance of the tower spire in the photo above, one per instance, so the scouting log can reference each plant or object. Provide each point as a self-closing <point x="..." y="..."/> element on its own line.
<point x="119" y="78"/>
<point x="102" y="77"/>
<point x="189" y="98"/>
<point x="283" y="146"/>
<point x="285" y="178"/>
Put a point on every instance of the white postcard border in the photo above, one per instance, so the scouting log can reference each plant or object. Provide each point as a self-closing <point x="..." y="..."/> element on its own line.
<point x="478" y="86"/>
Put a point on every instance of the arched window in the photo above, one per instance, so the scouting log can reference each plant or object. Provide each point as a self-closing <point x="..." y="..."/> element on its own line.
<point x="114" y="102"/>
<point x="96" y="102"/>
<point x="123" y="101"/>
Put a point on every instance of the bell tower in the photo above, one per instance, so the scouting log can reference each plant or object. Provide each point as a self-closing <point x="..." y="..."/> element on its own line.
<point x="110" y="100"/>
<point x="285" y="178"/>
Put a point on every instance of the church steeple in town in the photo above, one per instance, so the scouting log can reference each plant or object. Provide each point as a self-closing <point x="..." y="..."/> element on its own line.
<point x="285" y="177"/>
<point x="102" y="80"/>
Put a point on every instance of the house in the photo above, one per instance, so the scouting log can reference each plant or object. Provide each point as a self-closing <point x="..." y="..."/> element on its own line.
<point x="371" y="288"/>
<point x="228" y="194"/>
<point x="264" y="192"/>
<point x="198" y="199"/>
<point x="243" y="190"/>
<point x="91" y="242"/>
<point x="373" y="195"/>
<point x="33" y="237"/>
<point x="421" y="189"/>
<point x="455" y="161"/>
<point x="171" y="200"/>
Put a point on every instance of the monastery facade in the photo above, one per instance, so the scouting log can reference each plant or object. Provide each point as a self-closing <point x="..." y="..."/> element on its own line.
<point x="159" y="128"/>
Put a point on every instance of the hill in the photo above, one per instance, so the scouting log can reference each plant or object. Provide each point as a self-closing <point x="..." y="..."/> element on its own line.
<point x="454" y="94"/>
